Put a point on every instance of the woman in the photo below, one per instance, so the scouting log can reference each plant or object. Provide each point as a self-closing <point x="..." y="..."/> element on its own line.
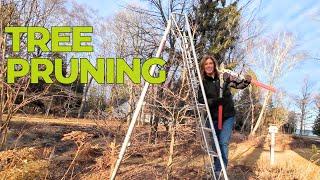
<point x="211" y="83"/>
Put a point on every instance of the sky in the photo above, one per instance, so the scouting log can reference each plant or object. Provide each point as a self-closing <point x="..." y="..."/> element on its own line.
<point x="107" y="8"/>
<point x="300" y="17"/>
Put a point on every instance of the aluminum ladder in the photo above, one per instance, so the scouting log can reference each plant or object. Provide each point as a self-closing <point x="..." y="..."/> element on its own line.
<point x="182" y="32"/>
<point x="178" y="25"/>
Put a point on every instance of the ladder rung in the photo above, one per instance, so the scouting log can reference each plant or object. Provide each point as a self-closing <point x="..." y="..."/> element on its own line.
<point x="194" y="80"/>
<point x="206" y="129"/>
<point x="213" y="153"/>
<point x="191" y="64"/>
<point x="195" y="84"/>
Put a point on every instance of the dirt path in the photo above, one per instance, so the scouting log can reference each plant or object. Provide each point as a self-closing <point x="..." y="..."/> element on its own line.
<point x="254" y="159"/>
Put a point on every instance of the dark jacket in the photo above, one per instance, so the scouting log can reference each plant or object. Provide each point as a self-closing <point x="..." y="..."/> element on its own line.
<point x="211" y="87"/>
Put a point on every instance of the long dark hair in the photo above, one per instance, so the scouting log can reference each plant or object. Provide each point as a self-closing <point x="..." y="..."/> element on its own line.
<point x="203" y="62"/>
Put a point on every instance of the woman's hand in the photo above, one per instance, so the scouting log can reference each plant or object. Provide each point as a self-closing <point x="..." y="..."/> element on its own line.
<point x="248" y="78"/>
<point x="228" y="77"/>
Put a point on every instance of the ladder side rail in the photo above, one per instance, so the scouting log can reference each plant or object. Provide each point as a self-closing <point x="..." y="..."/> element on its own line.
<point x="181" y="41"/>
<point x="186" y="64"/>
<point x="192" y="76"/>
<point x="205" y="99"/>
<point x="139" y="105"/>
<point x="202" y="117"/>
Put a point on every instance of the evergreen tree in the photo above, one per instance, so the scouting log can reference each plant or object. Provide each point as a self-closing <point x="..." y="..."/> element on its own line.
<point x="316" y="126"/>
<point x="291" y="126"/>
<point x="217" y="28"/>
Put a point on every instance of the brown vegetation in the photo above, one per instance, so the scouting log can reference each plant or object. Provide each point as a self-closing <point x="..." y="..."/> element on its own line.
<point x="58" y="151"/>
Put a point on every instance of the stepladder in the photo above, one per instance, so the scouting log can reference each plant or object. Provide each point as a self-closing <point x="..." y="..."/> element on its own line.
<point x="178" y="26"/>
<point x="210" y="143"/>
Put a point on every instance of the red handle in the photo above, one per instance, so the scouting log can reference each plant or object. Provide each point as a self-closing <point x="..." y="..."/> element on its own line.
<point x="257" y="83"/>
<point x="220" y="117"/>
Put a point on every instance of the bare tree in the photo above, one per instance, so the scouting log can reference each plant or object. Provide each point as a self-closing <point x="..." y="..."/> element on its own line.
<point x="172" y="107"/>
<point x="130" y="38"/>
<point x="13" y="97"/>
<point x="276" y="56"/>
<point x="303" y="101"/>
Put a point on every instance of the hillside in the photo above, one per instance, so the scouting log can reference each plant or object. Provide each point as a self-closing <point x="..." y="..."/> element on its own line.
<point x="40" y="148"/>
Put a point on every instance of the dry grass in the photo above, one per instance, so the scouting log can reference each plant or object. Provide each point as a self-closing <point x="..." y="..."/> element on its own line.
<point x="250" y="160"/>
<point x="47" y="150"/>
<point x="26" y="163"/>
<point x="64" y="121"/>
<point x="285" y="171"/>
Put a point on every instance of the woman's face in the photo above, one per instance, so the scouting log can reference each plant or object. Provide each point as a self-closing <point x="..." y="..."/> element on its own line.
<point x="209" y="67"/>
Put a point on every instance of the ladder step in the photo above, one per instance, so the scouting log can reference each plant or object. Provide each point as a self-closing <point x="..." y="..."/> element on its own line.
<point x="195" y="85"/>
<point x="213" y="153"/>
<point x="206" y="129"/>
<point x="209" y="144"/>
<point x="194" y="80"/>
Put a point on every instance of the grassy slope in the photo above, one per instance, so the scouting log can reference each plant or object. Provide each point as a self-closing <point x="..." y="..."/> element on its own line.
<point x="41" y="152"/>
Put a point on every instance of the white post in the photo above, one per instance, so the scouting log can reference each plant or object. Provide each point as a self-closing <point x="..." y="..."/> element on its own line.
<point x="139" y="106"/>
<point x="272" y="130"/>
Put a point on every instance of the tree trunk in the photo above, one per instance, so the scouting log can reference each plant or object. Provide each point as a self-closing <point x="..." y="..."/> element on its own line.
<point x="171" y="151"/>
<point x="84" y="98"/>
<point x="49" y="107"/>
<point x="139" y="118"/>
<point x="142" y="117"/>
<point x="259" y="121"/>
<point x="154" y="129"/>
<point x="68" y="103"/>
<point x="244" y="124"/>
<point x="302" y="119"/>
<point x="141" y="114"/>
<point x="2" y="93"/>
<point x="130" y="102"/>
<point x="150" y="122"/>
<point x="2" y="72"/>
<point x="252" y="108"/>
